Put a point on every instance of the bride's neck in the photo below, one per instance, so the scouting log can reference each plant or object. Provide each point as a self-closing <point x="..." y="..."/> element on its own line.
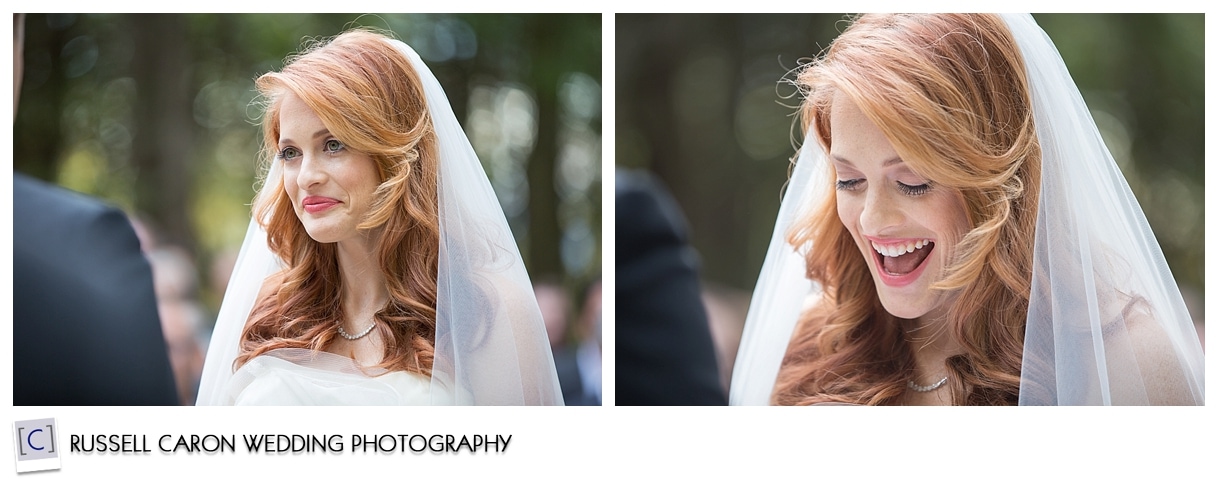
<point x="932" y="342"/>
<point x="360" y="272"/>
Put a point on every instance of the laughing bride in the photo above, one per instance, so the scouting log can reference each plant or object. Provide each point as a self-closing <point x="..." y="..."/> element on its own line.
<point x="956" y="232"/>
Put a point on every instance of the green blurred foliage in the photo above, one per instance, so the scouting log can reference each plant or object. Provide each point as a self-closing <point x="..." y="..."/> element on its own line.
<point x="158" y="114"/>
<point x="702" y="102"/>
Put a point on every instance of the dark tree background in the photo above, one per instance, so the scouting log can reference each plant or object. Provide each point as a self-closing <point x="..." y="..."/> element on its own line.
<point x="157" y="114"/>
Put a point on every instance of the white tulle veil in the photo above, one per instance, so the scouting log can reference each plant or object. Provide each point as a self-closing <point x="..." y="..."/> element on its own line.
<point x="491" y="345"/>
<point x="1106" y="322"/>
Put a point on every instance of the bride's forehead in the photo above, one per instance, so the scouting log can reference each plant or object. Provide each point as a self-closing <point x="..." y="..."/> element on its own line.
<point x="854" y="137"/>
<point x="295" y="114"/>
<point x="291" y="105"/>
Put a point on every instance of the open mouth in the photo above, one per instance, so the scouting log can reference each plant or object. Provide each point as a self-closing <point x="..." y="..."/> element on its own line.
<point x="901" y="259"/>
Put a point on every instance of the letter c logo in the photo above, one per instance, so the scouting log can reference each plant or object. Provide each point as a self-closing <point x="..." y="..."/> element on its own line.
<point x="30" y="436"/>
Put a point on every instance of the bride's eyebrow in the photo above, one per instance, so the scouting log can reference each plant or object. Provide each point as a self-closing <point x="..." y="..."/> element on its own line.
<point x="887" y="163"/>
<point x="320" y="133"/>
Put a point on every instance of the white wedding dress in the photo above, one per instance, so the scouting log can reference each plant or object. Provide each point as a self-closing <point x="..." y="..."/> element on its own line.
<point x="299" y="377"/>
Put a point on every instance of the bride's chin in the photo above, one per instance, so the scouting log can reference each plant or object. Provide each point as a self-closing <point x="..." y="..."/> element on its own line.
<point x="320" y="235"/>
<point x="322" y="230"/>
<point x="916" y="305"/>
<point x="902" y="311"/>
<point x="901" y="305"/>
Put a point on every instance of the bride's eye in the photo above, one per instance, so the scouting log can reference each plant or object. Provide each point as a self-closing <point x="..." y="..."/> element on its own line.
<point x="287" y="154"/>
<point x="913" y="190"/>
<point x="333" y="146"/>
<point x="849" y="185"/>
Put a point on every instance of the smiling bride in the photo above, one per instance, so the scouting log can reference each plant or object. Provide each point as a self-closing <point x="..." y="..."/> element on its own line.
<point x="378" y="267"/>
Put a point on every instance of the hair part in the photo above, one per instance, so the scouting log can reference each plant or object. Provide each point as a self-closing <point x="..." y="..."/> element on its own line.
<point x="370" y="97"/>
<point x="950" y="93"/>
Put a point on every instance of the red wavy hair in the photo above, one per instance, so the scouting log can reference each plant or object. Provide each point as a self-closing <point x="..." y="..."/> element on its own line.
<point x="950" y="92"/>
<point x="369" y="96"/>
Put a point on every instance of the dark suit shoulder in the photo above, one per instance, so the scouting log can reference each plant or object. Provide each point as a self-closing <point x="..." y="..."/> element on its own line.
<point x="647" y="215"/>
<point x="35" y="197"/>
<point x="44" y="212"/>
<point x="57" y="226"/>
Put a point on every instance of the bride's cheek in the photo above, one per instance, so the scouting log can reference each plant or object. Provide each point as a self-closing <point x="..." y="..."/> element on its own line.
<point x="848" y="213"/>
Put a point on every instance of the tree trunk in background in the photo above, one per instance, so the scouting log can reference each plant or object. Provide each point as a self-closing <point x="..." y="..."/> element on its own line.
<point x="543" y="251"/>
<point x="163" y="147"/>
<point x="702" y="166"/>
<point x="545" y="236"/>
<point x="37" y="135"/>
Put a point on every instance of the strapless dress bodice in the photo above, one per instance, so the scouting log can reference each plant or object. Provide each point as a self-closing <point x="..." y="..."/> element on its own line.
<point x="293" y="376"/>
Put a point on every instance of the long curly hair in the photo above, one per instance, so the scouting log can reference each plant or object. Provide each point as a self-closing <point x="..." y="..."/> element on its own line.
<point x="369" y="96"/>
<point x="951" y="94"/>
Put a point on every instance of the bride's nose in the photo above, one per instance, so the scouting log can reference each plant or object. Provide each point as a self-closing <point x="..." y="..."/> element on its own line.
<point x="881" y="211"/>
<point x="312" y="172"/>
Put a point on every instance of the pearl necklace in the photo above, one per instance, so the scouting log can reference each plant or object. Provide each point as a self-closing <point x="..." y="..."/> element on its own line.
<point x="357" y="336"/>
<point x="927" y="388"/>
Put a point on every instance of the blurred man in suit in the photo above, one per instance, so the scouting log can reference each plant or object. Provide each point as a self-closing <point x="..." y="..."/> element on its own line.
<point x="664" y="351"/>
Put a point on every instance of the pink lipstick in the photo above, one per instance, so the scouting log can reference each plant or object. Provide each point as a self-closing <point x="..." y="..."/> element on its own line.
<point x="314" y="204"/>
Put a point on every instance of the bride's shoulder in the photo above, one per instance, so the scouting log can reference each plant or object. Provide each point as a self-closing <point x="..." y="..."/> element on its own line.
<point x="1148" y="352"/>
<point x="268" y="291"/>
<point x="813" y="314"/>
<point x="270" y="285"/>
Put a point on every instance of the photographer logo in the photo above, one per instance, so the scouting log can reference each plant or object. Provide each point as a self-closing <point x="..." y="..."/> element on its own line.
<point x="37" y="445"/>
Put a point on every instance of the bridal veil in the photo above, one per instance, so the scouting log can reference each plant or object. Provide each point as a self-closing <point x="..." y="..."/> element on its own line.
<point x="1106" y="322"/>
<point x="491" y="345"/>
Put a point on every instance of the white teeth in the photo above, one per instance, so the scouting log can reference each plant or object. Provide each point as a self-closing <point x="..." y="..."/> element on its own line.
<point x="899" y="249"/>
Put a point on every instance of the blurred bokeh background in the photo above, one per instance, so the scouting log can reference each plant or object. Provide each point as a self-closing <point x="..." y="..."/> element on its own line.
<point x="702" y="104"/>
<point x="156" y="114"/>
